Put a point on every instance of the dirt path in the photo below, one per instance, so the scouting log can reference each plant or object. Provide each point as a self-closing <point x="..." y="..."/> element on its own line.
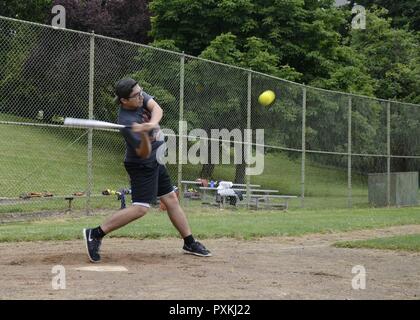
<point x="305" y="267"/>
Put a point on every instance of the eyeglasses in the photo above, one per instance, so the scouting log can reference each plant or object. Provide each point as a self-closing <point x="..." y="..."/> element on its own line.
<point x="137" y="95"/>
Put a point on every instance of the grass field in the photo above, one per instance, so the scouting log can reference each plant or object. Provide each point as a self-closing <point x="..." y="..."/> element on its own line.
<point x="60" y="204"/>
<point x="407" y="242"/>
<point x="210" y="223"/>
<point x="36" y="159"/>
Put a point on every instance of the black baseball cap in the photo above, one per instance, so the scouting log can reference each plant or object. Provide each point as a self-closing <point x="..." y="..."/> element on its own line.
<point x="124" y="87"/>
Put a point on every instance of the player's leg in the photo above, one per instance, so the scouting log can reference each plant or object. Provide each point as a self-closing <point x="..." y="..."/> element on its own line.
<point x="143" y="191"/>
<point x="124" y="216"/>
<point x="177" y="215"/>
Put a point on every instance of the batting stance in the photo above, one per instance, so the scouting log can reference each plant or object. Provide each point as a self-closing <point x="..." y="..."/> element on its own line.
<point x="148" y="178"/>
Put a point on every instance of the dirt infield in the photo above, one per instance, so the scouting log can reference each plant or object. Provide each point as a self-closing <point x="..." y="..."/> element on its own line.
<point x="305" y="267"/>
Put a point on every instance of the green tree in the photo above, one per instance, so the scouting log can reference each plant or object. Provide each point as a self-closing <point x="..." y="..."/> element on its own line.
<point x="288" y="36"/>
<point x="391" y="57"/>
<point x="255" y="54"/>
<point x="35" y="10"/>
<point x="194" y="24"/>
<point x="349" y="74"/>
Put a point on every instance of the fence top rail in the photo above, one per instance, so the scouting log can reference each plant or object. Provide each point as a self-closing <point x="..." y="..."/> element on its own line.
<point x="202" y="59"/>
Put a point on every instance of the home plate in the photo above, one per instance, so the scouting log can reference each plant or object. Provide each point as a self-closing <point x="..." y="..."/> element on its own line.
<point x="103" y="268"/>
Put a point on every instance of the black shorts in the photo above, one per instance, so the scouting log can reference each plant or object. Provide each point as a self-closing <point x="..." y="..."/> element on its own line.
<point x="148" y="181"/>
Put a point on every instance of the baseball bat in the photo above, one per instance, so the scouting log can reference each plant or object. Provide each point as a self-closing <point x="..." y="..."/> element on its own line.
<point x="87" y="123"/>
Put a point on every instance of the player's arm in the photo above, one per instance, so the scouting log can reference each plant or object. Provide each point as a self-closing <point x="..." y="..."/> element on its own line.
<point x="156" y="112"/>
<point x="145" y="147"/>
<point x="142" y="146"/>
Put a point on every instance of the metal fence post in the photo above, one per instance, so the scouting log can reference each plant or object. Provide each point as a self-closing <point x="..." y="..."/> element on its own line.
<point x="302" y="184"/>
<point x="249" y="139"/>
<point x="181" y="118"/>
<point x="349" y="155"/>
<point x="388" y="147"/>
<point x="90" y="131"/>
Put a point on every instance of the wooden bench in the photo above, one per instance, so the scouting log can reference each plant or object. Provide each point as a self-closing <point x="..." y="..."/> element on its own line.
<point x="267" y="204"/>
<point x="69" y="198"/>
<point x="244" y="185"/>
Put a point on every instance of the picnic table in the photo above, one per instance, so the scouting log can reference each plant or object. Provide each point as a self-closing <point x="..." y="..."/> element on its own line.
<point x="186" y="183"/>
<point x="257" y="197"/>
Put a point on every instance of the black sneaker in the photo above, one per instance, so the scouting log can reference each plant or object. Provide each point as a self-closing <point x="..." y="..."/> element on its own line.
<point x="92" y="245"/>
<point x="197" y="249"/>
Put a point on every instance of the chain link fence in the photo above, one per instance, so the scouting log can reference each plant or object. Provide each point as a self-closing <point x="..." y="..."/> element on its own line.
<point x="319" y="145"/>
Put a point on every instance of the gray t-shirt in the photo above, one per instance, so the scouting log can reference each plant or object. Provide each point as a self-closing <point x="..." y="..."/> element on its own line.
<point x="132" y="140"/>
